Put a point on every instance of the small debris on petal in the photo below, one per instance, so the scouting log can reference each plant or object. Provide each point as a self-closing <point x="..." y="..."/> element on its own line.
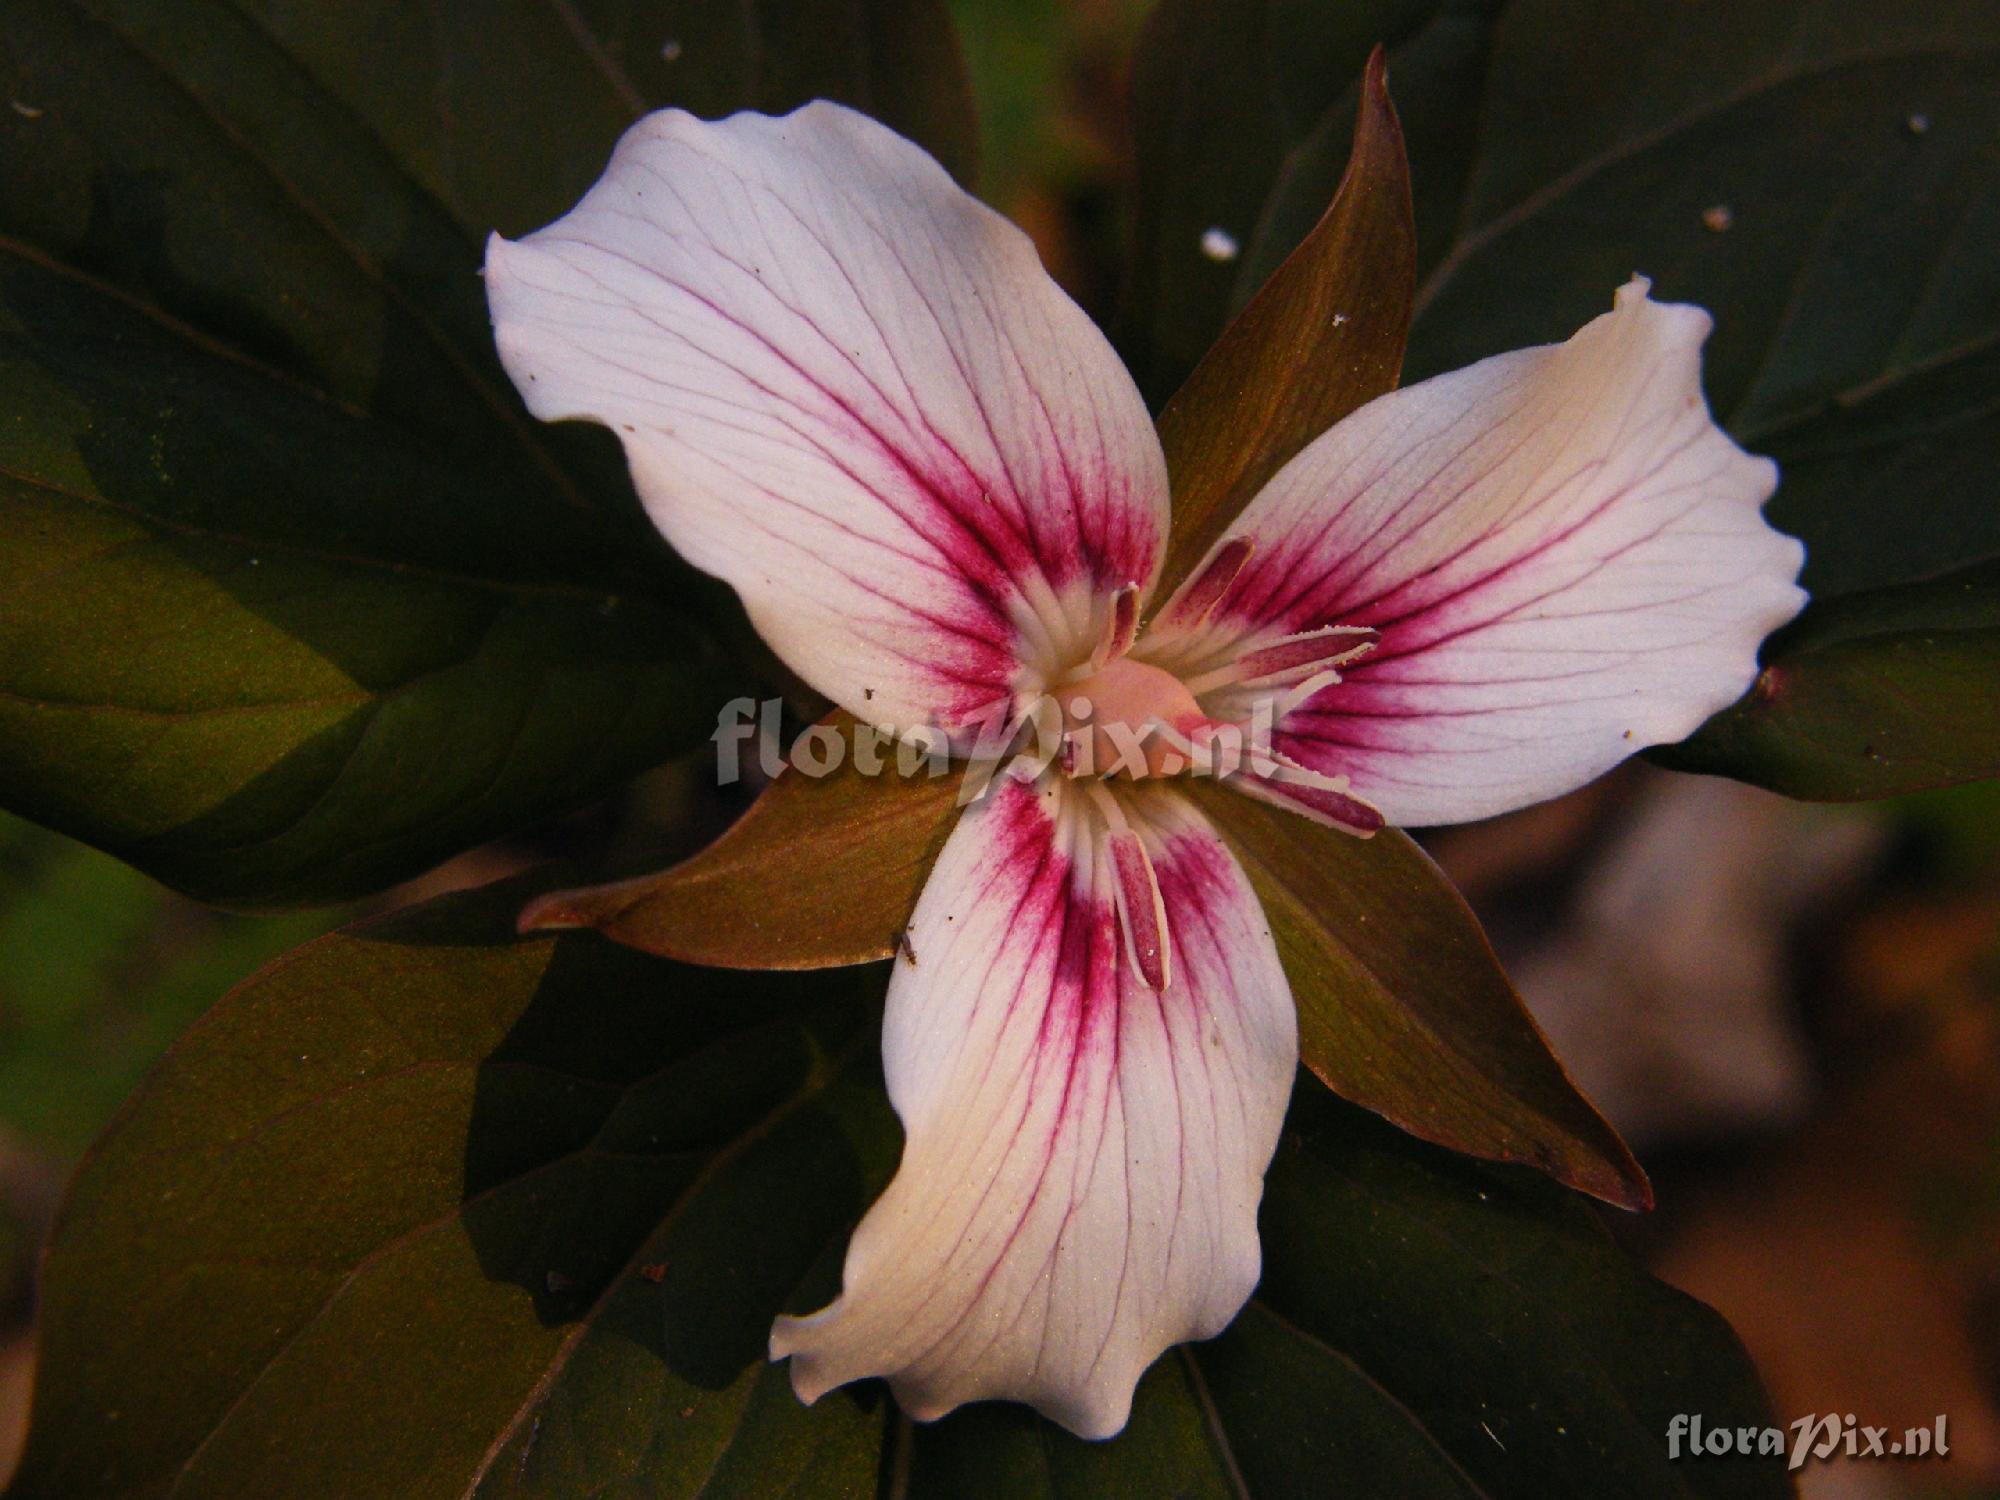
<point x="1719" y="217"/>
<point x="1219" y="244"/>
<point x="670" y="49"/>
<point x="26" y="111"/>
<point x="655" y="1273"/>
<point x="1918" y="124"/>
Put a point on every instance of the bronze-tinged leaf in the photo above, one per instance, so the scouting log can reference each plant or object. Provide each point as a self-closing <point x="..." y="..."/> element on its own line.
<point x="818" y="873"/>
<point x="1325" y="335"/>
<point x="1403" y="1008"/>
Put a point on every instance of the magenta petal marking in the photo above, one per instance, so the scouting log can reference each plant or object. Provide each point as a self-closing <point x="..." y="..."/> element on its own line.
<point x="1141" y="909"/>
<point x="1204" y="591"/>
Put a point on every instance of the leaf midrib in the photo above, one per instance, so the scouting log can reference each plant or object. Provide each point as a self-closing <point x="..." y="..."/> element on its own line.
<point x="1466" y="1064"/>
<point x="1472" y="240"/>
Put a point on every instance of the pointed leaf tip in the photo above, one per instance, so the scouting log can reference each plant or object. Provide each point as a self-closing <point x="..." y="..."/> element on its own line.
<point x="820" y="872"/>
<point x="1404" y="1010"/>
<point x="554" y="912"/>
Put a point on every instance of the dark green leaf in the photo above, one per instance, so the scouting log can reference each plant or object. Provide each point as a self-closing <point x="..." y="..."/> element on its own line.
<point x="103" y="970"/>
<point x="1821" y="178"/>
<point x="424" y="1211"/>
<point x="1831" y="716"/>
<point x="302" y="601"/>
<point x="429" y="1210"/>
<point x="1494" y="1307"/>
<point x="1404" y="1010"/>
<point x="1264" y="1410"/>
<point x="507" y="109"/>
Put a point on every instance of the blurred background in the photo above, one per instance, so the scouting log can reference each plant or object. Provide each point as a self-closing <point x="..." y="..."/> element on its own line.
<point x="1792" y="1011"/>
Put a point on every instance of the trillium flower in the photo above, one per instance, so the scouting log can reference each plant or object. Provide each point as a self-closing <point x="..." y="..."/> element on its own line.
<point x="850" y="390"/>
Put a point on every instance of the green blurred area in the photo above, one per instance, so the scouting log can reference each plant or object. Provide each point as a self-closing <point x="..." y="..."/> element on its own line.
<point x="1024" y="57"/>
<point x="1959" y="825"/>
<point x="100" y="968"/>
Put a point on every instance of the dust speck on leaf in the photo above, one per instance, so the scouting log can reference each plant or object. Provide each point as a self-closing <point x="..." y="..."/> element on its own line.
<point x="1218" y="244"/>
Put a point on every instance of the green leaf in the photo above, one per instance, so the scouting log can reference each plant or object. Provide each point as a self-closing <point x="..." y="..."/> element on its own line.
<point x="1848" y="150"/>
<point x="1830" y="717"/>
<point x="1404" y="1010"/>
<point x="1818" y="175"/>
<point x="506" y="110"/>
<point x="422" y="1210"/>
<point x="427" y="1209"/>
<point x="818" y="873"/>
<point x="1495" y="1308"/>
<point x="295" y="705"/>
<point x="302" y="599"/>
<point x="1323" y="337"/>
<point x="104" y="969"/>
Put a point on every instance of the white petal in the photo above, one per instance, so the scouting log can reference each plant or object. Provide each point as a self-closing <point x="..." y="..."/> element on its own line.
<point x="1083" y="1156"/>
<point x="849" y="389"/>
<point x="1564" y="555"/>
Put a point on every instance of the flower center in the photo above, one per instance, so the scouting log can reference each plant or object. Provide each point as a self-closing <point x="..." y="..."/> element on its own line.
<point x="1128" y="719"/>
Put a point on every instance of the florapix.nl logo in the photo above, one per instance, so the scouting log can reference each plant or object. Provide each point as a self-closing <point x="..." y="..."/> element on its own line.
<point x="1812" y="1438"/>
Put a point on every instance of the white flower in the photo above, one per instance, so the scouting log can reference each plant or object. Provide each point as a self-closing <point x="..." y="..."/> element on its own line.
<point x="850" y="390"/>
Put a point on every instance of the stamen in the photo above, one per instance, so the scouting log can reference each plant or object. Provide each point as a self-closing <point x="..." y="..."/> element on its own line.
<point x="1305" y="690"/>
<point x="1324" y="799"/>
<point x="1197" y="600"/>
<point x="1328" y="647"/>
<point x="1142" y="910"/>
<point x="1123" y="626"/>
<point x="1120" y="627"/>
